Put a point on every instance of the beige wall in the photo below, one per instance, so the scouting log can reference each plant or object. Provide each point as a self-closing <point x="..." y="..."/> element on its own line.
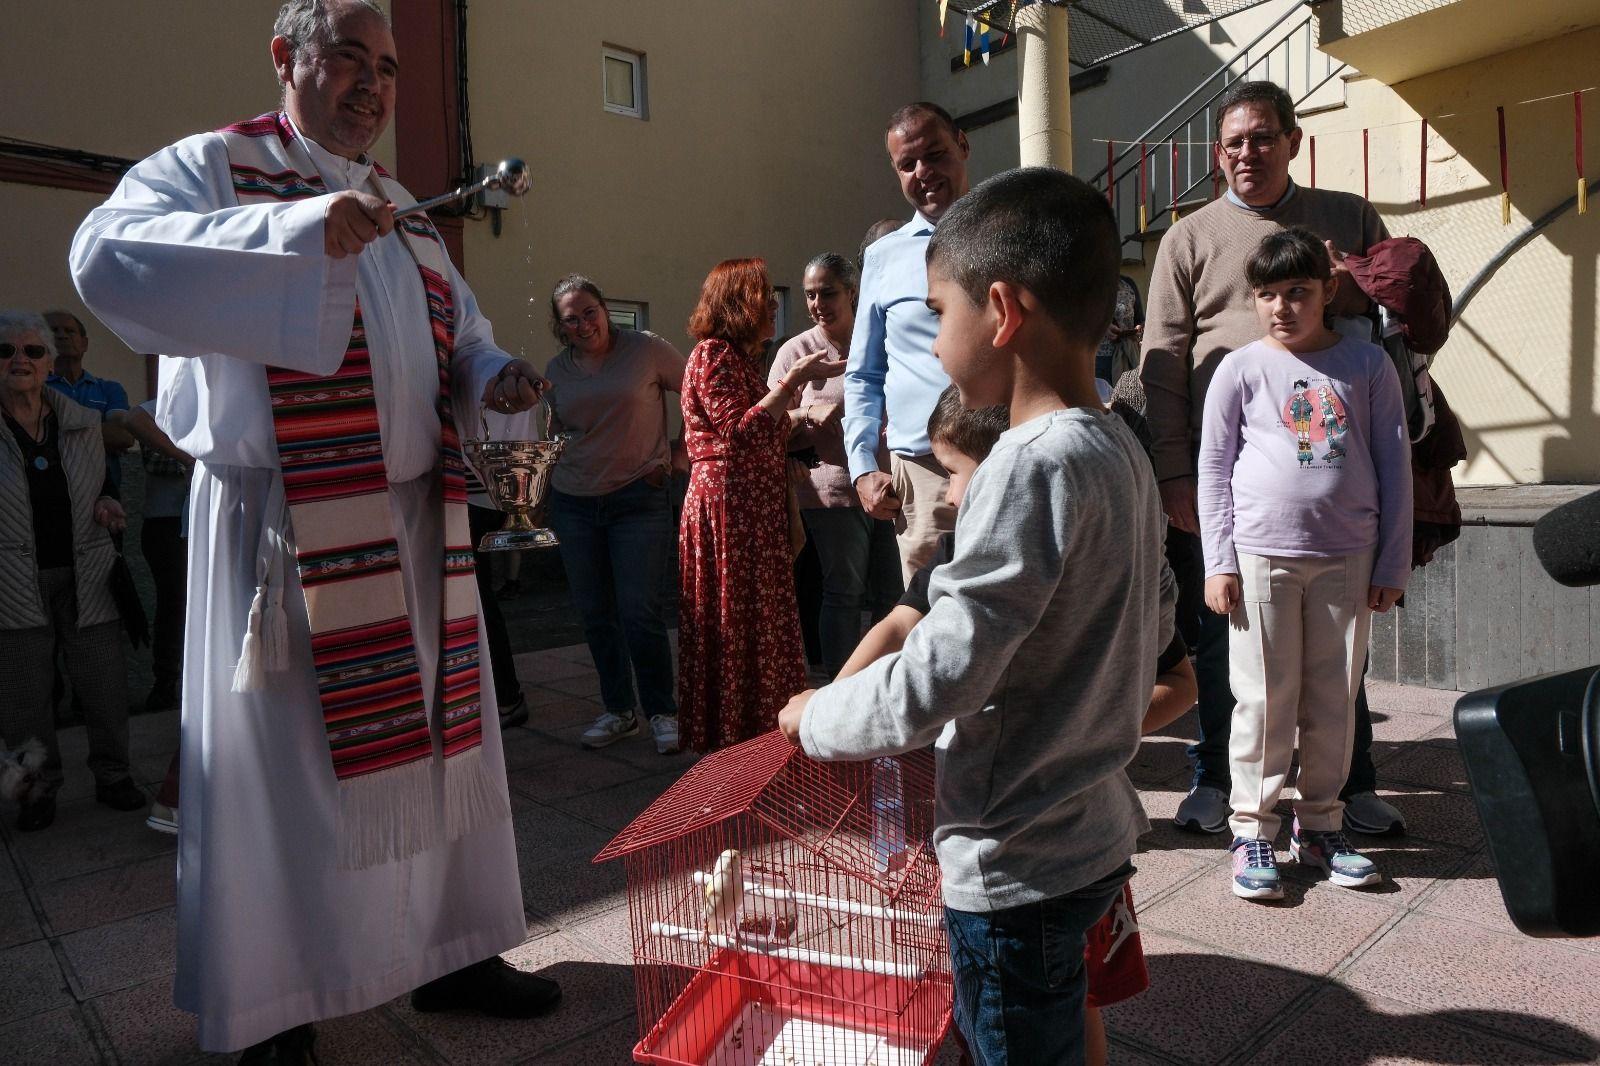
<point x="763" y="137"/>
<point x="117" y="79"/>
<point x="1520" y="367"/>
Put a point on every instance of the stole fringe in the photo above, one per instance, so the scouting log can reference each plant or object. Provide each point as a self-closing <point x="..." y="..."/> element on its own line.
<point x="387" y="816"/>
<point x="473" y="798"/>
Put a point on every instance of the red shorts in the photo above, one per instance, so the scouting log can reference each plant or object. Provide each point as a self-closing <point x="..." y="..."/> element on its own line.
<point x="1114" y="956"/>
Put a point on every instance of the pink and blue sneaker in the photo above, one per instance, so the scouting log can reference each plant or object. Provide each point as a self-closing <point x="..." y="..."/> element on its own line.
<point x="1331" y="852"/>
<point x="1255" y="869"/>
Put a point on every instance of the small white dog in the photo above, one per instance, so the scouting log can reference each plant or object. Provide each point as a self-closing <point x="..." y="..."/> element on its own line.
<point x="20" y="769"/>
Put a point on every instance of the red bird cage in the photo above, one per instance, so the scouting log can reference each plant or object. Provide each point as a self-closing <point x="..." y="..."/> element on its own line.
<point x="786" y="912"/>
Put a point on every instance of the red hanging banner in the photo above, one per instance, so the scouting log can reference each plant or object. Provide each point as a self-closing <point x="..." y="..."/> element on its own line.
<point x="1174" y="181"/>
<point x="1577" y="123"/>
<point x="1422" y="179"/>
<point x="1505" y="170"/>
<point x="1366" y="179"/>
<point x="1144" y="192"/>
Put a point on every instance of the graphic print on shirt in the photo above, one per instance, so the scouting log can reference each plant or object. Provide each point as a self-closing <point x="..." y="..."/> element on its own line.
<point x="1317" y="416"/>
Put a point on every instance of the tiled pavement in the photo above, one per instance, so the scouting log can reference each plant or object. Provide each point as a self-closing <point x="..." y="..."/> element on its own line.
<point x="1427" y="970"/>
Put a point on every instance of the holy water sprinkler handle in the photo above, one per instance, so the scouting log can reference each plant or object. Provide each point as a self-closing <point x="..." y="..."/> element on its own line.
<point x="511" y="175"/>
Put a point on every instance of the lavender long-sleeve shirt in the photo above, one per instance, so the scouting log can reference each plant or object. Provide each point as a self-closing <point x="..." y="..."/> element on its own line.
<point x="1306" y="455"/>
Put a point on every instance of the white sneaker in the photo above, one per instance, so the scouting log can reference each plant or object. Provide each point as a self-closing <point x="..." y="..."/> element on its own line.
<point x="665" y="728"/>
<point x="610" y="728"/>
<point x="162" y="819"/>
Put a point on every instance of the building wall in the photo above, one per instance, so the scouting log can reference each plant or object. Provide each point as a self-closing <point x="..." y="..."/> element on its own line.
<point x="1520" y="366"/>
<point x="764" y="137"/>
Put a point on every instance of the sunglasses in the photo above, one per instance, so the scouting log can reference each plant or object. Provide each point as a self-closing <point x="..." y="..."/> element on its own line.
<point x="32" y="351"/>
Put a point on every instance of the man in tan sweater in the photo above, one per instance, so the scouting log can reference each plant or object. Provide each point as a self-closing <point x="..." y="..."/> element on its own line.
<point x="1200" y="308"/>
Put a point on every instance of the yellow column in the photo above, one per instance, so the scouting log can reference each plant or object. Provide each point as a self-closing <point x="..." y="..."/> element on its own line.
<point x="1044" y="91"/>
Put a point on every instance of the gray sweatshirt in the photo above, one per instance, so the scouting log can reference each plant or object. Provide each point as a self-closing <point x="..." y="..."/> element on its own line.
<point x="1033" y="667"/>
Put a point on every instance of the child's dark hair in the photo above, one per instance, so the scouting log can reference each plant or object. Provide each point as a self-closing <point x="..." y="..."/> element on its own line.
<point x="972" y="433"/>
<point x="1288" y="255"/>
<point x="1044" y="230"/>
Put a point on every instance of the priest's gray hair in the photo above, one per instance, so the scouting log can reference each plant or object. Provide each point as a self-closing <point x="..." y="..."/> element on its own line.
<point x="14" y="324"/>
<point x="308" y="22"/>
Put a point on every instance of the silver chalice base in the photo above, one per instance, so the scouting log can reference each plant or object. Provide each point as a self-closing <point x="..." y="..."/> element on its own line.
<point x="515" y="540"/>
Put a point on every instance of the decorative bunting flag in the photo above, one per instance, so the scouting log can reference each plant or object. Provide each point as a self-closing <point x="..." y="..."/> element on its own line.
<point x="1422" y="177"/>
<point x="1143" y="189"/>
<point x="1111" y="174"/>
<point x="1174" y="181"/>
<point x="967" y="27"/>
<point x="1366" y="181"/>
<point x="944" y="9"/>
<point x="983" y="40"/>
<point x="1313" y="160"/>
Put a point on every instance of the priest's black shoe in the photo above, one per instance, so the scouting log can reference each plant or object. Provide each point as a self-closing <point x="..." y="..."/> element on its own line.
<point x="122" y="795"/>
<point x="493" y="987"/>
<point x="293" y="1047"/>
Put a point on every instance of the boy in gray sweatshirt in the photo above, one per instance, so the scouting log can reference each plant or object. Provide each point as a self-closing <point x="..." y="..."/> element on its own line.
<point x="1033" y="667"/>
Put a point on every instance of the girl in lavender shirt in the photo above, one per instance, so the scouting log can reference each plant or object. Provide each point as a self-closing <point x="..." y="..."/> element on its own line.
<point x="1305" y="514"/>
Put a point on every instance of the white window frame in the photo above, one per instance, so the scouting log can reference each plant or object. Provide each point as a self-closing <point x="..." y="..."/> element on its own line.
<point x="639" y="311"/>
<point x="634" y="60"/>
<point x="780" y="317"/>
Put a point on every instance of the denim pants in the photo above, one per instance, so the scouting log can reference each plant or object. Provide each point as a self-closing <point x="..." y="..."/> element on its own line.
<point x="1020" y="982"/>
<point x="614" y="549"/>
<point x="860" y="569"/>
<point x="1209" y="753"/>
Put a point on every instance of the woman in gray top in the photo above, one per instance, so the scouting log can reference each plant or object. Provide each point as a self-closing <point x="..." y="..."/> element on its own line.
<point x="610" y="504"/>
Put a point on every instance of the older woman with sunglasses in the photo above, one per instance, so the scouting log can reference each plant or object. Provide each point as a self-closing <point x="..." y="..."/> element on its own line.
<point x="611" y="506"/>
<point x="55" y="563"/>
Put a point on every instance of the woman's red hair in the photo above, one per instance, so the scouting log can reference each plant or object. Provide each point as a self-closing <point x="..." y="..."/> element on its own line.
<point x="733" y="303"/>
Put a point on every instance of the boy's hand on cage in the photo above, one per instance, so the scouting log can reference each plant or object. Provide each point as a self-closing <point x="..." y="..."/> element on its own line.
<point x="793" y="711"/>
<point x="1380" y="597"/>
<point x="1222" y="592"/>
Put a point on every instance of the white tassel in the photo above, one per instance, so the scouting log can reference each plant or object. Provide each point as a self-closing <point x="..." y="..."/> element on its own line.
<point x="472" y="798"/>
<point x="275" y="633"/>
<point x="249" y="675"/>
<point x="388" y="816"/>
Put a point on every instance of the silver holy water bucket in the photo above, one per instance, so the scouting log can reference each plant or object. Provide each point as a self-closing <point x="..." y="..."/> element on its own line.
<point x="516" y="475"/>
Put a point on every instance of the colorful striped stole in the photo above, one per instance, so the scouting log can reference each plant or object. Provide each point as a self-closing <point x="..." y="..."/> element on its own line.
<point x="380" y="739"/>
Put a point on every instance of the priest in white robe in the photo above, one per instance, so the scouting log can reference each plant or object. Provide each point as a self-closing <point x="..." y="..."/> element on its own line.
<point x="276" y="929"/>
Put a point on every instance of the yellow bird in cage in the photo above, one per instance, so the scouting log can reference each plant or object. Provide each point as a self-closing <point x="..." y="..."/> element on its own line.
<point x="723" y="891"/>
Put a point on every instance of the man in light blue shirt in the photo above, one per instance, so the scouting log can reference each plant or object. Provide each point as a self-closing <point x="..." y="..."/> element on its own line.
<point x="894" y="378"/>
<point x="96" y="393"/>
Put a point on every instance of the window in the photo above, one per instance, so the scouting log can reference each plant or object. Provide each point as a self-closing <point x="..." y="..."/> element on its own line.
<point x="625" y="314"/>
<point x="622" y="81"/>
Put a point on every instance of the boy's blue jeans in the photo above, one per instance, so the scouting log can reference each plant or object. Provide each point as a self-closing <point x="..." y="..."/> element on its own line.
<point x="1019" y="976"/>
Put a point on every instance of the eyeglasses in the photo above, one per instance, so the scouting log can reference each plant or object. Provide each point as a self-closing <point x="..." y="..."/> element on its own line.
<point x="1260" y="143"/>
<point x="32" y="351"/>
<point x="590" y="314"/>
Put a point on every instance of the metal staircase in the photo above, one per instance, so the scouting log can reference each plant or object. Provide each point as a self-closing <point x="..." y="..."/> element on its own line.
<point x="1178" y="162"/>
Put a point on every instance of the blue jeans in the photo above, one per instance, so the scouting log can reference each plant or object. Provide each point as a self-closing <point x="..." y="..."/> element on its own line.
<point x="614" y="549"/>
<point x="1019" y="975"/>
<point x="860" y="569"/>
<point x="1209" y="752"/>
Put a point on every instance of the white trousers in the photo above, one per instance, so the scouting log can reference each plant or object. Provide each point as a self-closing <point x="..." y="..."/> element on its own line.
<point x="1296" y="644"/>
<point x="921" y="484"/>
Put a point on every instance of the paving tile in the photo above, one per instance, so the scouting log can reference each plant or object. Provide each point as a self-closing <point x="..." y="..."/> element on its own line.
<point x="557" y="710"/>
<point x="1473" y="896"/>
<point x="18" y="924"/>
<point x="10" y="879"/>
<point x="1450" y="817"/>
<point x="1156" y="871"/>
<point x="610" y="1043"/>
<point x="558" y="880"/>
<point x="1389" y="697"/>
<point x="120" y="954"/>
<point x="1159" y="806"/>
<point x="586" y="683"/>
<point x="31" y="981"/>
<point x="539" y="696"/>
<point x="543" y="667"/>
<point x="1160" y="759"/>
<point x="1537" y="990"/>
<point x="526" y="748"/>
<point x="369" y="1038"/>
<point x="609" y="935"/>
<point x="1433" y="763"/>
<point x="1398" y="727"/>
<point x="147" y="1030"/>
<point x="153" y="735"/>
<point x="1311" y="929"/>
<point x="581" y="773"/>
<point x="56" y="1037"/>
<point x="612" y="808"/>
<point x="1194" y="1010"/>
<point x="1391" y="1034"/>
<point x="86" y="837"/>
<point x="109" y="895"/>
<point x="595" y="994"/>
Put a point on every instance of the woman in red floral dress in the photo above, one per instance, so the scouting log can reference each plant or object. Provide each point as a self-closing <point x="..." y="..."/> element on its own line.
<point x="739" y="649"/>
